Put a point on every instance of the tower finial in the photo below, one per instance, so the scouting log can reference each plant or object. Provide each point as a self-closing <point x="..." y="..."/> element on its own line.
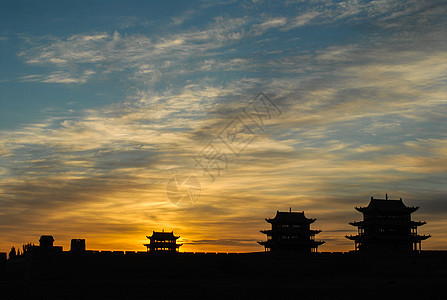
<point x="290" y="209"/>
<point x="386" y="196"/>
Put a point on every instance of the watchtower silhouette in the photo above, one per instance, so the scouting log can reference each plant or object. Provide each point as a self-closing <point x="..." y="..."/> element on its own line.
<point x="387" y="228"/>
<point x="291" y="233"/>
<point x="163" y="242"/>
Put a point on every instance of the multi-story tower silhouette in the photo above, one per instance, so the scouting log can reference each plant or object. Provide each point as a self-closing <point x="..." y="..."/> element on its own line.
<point x="387" y="228"/>
<point x="162" y="242"/>
<point x="291" y="233"/>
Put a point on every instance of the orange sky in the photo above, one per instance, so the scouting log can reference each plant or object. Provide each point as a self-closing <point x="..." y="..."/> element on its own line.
<point x="100" y="108"/>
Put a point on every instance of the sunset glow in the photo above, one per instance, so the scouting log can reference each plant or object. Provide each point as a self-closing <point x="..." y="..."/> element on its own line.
<point x="102" y="103"/>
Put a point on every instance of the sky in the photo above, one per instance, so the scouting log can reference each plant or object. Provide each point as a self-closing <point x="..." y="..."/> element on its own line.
<point x="120" y="118"/>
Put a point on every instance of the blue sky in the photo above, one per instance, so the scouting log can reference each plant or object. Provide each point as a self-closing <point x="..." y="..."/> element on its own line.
<point x="102" y="102"/>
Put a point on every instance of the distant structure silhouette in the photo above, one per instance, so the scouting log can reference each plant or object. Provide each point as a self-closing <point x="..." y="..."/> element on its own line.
<point x="77" y="246"/>
<point x="387" y="228"/>
<point x="291" y="233"/>
<point x="45" y="246"/>
<point x="12" y="253"/>
<point x="163" y="242"/>
<point x="46" y="242"/>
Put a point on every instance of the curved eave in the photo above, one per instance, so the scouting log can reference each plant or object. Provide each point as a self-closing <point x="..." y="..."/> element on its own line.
<point x="275" y="220"/>
<point x="408" y="209"/>
<point x="388" y="222"/>
<point x="424" y="237"/>
<point x="360" y="209"/>
<point x="413" y="238"/>
<point x="418" y="223"/>
<point x="269" y="243"/>
<point x="159" y="240"/>
<point x="412" y="209"/>
<point x="270" y="231"/>
<point x="158" y="244"/>
<point x="152" y="237"/>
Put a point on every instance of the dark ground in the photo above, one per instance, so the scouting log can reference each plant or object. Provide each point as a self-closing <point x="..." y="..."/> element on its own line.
<point x="225" y="276"/>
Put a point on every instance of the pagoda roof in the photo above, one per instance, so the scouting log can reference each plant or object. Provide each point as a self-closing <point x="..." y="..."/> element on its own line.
<point x="388" y="237"/>
<point x="311" y="243"/>
<point x="288" y="231"/>
<point x="163" y="235"/>
<point x="388" y="222"/>
<point x="167" y="245"/>
<point x="385" y="205"/>
<point x="290" y="217"/>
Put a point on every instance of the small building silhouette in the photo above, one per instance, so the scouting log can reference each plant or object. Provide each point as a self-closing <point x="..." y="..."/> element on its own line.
<point x="77" y="246"/>
<point x="291" y="233"/>
<point x="163" y="242"/>
<point x="45" y="247"/>
<point x="387" y="228"/>
<point x="46" y="242"/>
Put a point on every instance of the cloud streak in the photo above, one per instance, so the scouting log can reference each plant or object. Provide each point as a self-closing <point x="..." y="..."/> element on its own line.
<point x="361" y="117"/>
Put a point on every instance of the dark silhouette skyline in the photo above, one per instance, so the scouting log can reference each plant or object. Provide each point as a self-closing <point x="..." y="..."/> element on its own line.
<point x="293" y="266"/>
<point x="386" y="228"/>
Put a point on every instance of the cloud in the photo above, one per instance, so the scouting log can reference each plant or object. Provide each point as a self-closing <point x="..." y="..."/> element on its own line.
<point x="184" y="17"/>
<point x="59" y="77"/>
<point x="111" y="53"/>
<point x="269" y="24"/>
<point x="301" y="20"/>
<point x="358" y="119"/>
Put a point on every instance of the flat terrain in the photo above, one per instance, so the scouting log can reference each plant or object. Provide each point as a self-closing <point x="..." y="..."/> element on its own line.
<point x="232" y="276"/>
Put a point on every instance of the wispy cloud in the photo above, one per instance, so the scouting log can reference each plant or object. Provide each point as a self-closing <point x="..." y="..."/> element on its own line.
<point x="301" y="20"/>
<point x="111" y="53"/>
<point x="269" y="24"/>
<point x="360" y="118"/>
<point x="59" y="77"/>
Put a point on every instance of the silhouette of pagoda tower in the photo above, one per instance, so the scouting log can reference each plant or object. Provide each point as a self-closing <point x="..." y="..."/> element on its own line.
<point x="387" y="228"/>
<point x="163" y="242"/>
<point x="291" y="233"/>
